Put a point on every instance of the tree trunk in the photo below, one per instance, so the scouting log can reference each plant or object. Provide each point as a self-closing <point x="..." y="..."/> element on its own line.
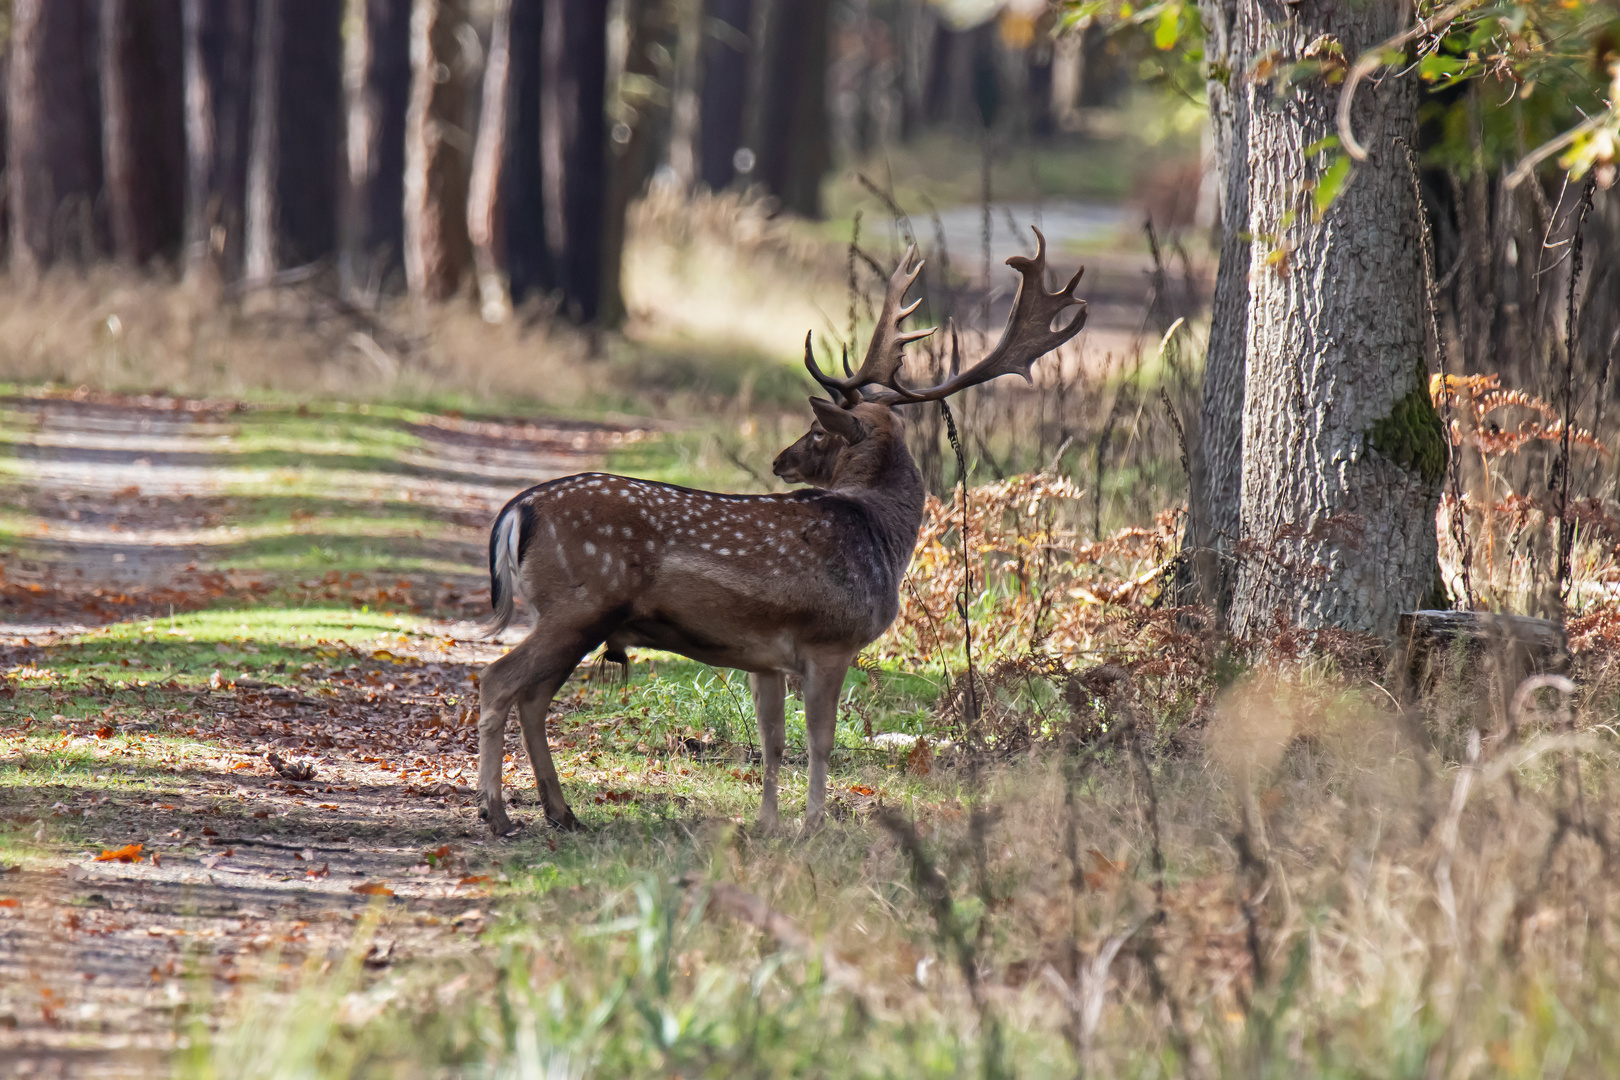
<point x="726" y="52"/>
<point x="53" y="132"/>
<point x="528" y="262"/>
<point x="142" y="126"/>
<point x="631" y="162"/>
<point x="1343" y="452"/>
<point x="310" y="130"/>
<point x="685" y="100"/>
<point x="1214" y="505"/>
<point x="483" y="196"/>
<point x="436" y="245"/>
<point x="218" y="59"/>
<point x="573" y="151"/>
<point x="377" y="85"/>
<point x="792" y="142"/>
<point x="264" y="146"/>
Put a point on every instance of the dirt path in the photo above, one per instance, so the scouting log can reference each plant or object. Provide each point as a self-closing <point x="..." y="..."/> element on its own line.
<point x="129" y="507"/>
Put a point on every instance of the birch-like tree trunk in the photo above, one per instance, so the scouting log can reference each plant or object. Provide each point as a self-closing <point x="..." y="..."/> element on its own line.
<point x="483" y="196"/>
<point x="1214" y="501"/>
<point x="53" y="132"/>
<point x="1343" y="452"/>
<point x="437" y="249"/>
<point x="264" y="145"/>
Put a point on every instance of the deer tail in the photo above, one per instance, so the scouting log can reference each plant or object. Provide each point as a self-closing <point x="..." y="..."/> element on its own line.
<point x="505" y="546"/>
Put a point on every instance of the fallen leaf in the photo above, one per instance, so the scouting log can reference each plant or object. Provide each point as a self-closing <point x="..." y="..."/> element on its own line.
<point x="209" y="832"/>
<point x="861" y="789"/>
<point x="473" y="879"/>
<point x="104" y="732"/>
<point x="157" y="859"/>
<point x="129" y="853"/>
<point x="921" y="758"/>
<point x="372" y="888"/>
<point x="9" y="901"/>
<point x="324" y="871"/>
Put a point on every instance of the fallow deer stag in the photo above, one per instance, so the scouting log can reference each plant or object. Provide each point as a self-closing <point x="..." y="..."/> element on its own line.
<point x="795" y="583"/>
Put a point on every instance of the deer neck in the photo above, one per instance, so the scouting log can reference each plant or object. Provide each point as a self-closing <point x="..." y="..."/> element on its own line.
<point x="881" y="476"/>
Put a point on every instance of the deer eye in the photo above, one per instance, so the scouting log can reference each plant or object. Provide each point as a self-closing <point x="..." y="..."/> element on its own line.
<point x="820" y="438"/>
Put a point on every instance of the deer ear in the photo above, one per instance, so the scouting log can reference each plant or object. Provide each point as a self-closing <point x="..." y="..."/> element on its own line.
<point x="840" y="421"/>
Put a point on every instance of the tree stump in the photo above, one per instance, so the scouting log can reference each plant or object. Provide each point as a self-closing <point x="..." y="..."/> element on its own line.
<point x="1462" y="667"/>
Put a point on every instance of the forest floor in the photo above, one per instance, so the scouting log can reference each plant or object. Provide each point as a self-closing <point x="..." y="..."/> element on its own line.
<point x="200" y="600"/>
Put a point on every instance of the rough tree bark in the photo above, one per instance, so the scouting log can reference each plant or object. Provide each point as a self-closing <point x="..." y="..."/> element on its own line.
<point x="142" y="126"/>
<point x="528" y="262"/>
<point x="53" y="132"/>
<point x="1214" y="506"/>
<point x="573" y="150"/>
<point x="1343" y="453"/>
<point x="437" y="249"/>
<point x="726" y="52"/>
<point x="792" y="140"/>
<point x="218" y="50"/>
<point x="377" y="86"/>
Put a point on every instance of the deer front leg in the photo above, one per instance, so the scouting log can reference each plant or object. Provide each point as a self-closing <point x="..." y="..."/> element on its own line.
<point x="532" y="716"/>
<point x="822" y="685"/>
<point x="770" y="703"/>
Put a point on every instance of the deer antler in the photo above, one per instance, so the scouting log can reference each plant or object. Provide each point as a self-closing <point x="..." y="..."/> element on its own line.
<point x="887" y="349"/>
<point x="1028" y="336"/>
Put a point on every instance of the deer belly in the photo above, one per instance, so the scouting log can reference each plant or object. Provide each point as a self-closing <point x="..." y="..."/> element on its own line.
<point x="747" y="648"/>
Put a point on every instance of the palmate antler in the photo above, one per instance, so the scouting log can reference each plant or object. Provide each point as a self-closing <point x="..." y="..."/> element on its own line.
<point x="887" y="349"/>
<point x="1027" y="337"/>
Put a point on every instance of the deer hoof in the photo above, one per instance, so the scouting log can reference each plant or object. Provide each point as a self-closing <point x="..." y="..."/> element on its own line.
<point x="567" y="823"/>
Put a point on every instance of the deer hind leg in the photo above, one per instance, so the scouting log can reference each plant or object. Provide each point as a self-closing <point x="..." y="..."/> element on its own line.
<point x="536" y="666"/>
<point x="823" y="682"/>
<point x="532" y="716"/>
<point x="770" y="705"/>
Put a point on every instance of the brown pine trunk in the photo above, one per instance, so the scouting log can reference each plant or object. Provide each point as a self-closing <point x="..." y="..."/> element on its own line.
<point x="726" y="53"/>
<point x="218" y="59"/>
<point x="142" y="126"/>
<point x="1343" y="452"/>
<point x="310" y="130"/>
<point x="377" y="82"/>
<point x="792" y="141"/>
<point x="1214" y="506"/>
<point x="53" y="132"/>
<point x="483" y="198"/>
<point x="437" y="249"/>
<point x="528" y="262"/>
<point x="573" y="151"/>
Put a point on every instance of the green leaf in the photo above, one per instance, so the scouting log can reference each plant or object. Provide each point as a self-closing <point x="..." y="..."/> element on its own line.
<point x="1322" y="146"/>
<point x="1331" y="184"/>
<point x="1168" y="32"/>
<point x="1436" y="66"/>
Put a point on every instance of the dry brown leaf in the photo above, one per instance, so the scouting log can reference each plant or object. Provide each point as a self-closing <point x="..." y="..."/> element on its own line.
<point x="129" y="853"/>
<point x="372" y="888"/>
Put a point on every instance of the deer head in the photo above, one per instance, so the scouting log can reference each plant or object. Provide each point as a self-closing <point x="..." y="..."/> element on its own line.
<point x="842" y="420"/>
